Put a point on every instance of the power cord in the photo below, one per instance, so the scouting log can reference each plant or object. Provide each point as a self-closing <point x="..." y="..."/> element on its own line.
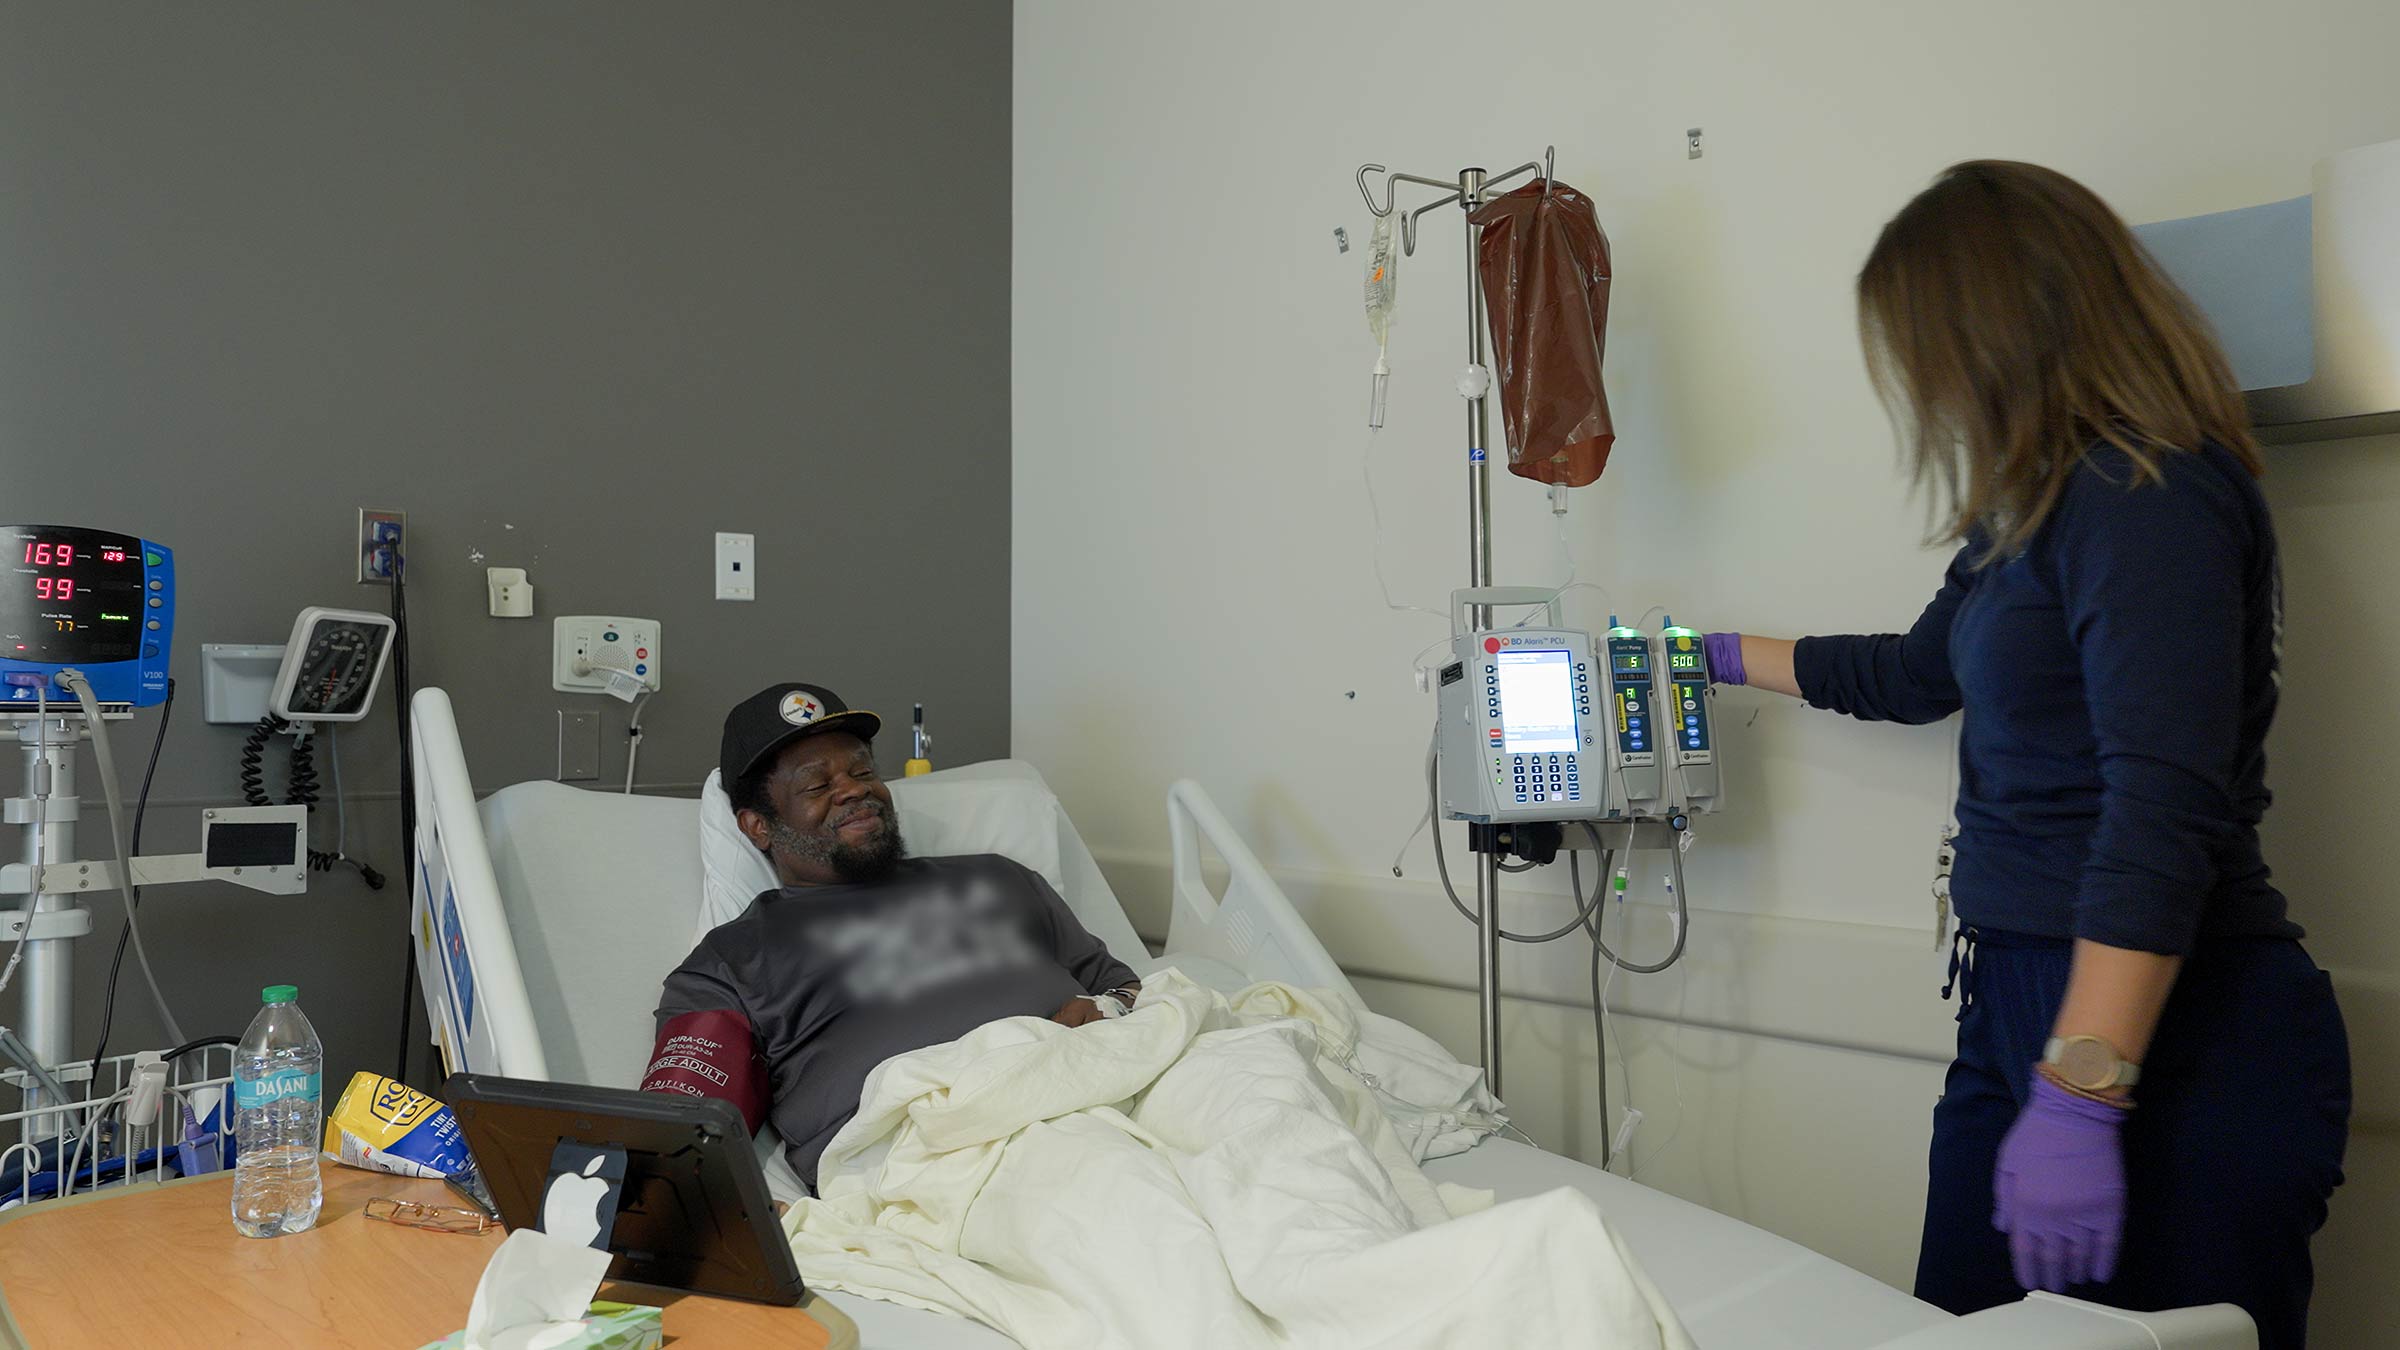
<point x="1441" y="865"/>
<point x="408" y="803"/>
<point x="586" y="666"/>
<point x="633" y="739"/>
<point x="39" y="790"/>
<point x="141" y="809"/>
<point x="341" y="816"/>
<point x="82" y="689"/>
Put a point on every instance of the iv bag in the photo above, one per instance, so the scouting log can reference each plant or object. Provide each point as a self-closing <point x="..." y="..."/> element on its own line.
<point x="1545" y="285"/>
<point x="1383" y="279"/>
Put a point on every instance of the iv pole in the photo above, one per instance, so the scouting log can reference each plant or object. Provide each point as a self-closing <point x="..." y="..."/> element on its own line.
<point x="1471" y="190"/>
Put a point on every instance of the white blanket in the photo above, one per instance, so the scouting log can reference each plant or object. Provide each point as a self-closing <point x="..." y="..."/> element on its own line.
<point x="1202" y="1172"/>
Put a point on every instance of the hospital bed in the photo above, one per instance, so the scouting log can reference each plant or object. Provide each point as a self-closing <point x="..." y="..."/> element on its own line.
<point x="546" y="917"/>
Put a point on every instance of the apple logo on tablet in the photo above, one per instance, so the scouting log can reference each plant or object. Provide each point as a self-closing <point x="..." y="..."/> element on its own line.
<point x="571" y="1207"/>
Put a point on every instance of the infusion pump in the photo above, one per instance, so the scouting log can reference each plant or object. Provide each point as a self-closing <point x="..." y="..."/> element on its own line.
<point x="1518" y="733"/>
<point x="1544" y="724"/>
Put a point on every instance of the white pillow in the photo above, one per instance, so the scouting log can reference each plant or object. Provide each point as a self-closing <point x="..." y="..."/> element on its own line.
<point x="732" y="872"/>
<point x="940" y="816"/>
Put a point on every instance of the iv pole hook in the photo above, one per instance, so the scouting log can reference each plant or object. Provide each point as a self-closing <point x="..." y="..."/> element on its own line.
<point x="1379" y="212"/>
<point x="1391" y="188"/>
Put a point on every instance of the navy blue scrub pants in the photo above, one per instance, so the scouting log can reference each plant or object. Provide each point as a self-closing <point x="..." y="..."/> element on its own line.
<point x="2230" y="1155"/>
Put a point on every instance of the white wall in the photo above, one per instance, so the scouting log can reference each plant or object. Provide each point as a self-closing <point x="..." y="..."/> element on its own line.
<point x="1192" y="586"/>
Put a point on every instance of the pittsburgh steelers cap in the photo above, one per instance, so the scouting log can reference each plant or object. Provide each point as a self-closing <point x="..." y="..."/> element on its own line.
<point x="762" y="724"/>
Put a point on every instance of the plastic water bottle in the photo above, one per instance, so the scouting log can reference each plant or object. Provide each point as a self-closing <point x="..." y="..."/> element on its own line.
<point x="278" y="1084"/>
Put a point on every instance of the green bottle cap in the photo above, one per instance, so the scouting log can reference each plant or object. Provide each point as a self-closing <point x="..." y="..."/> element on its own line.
<point x="280" y="993"/>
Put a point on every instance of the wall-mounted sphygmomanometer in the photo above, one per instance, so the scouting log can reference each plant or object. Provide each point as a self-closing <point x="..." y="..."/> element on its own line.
<point x="332" y="665"/>
<point x="331" y="669"/>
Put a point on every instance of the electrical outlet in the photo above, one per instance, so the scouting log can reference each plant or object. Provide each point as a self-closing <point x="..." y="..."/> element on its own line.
<point x="379" y="544"/>
<point x="578" y="746"/>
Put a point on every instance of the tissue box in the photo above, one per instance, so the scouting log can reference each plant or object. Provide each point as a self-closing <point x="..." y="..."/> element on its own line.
<point x="610" y="1326"/>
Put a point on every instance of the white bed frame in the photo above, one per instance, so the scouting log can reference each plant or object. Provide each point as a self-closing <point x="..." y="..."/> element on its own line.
<point x="546" y="916"/>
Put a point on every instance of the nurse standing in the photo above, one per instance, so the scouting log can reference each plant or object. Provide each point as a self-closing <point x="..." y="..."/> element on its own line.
<point x="2152" y="1087"/>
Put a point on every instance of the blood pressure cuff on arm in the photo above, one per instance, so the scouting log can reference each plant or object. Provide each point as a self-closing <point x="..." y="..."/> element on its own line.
<point x="710" y="1054"/>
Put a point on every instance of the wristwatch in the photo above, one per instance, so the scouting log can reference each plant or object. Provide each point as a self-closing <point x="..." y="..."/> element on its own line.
<point x="2089" y="1063"/>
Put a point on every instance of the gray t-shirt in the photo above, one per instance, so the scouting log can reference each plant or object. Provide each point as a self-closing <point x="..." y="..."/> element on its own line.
<point x="834" y="980"/>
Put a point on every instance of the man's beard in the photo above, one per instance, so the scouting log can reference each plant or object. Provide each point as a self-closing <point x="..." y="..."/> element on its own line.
<point x="854" y="863"/>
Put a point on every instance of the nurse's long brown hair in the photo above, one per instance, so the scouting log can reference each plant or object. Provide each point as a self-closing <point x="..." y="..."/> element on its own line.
<point x="2011" y="321"/>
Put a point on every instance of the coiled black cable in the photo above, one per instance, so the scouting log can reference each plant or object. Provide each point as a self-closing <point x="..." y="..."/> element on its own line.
<point x="304" y="772"/>
<point x="254" y="760"/>
<point x="300" y="791"/>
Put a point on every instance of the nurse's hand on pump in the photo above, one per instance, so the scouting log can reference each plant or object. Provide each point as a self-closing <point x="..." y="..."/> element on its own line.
<point x="1762" y="663"/>
<point x="2059" y="1189"/>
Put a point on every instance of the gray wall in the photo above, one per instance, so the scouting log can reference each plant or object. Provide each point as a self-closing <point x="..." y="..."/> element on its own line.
<point x="574" y="285"/>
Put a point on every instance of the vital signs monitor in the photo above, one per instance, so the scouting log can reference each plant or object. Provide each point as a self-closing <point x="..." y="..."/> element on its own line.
<point x="89" y="600"/>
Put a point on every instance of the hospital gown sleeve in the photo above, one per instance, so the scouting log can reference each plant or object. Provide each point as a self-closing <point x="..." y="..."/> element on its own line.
<point x="1080" y="954"/>
<point x="707" y="1045"/>
<point x="1891" y="677"/>
<point x="2153" y="577"/>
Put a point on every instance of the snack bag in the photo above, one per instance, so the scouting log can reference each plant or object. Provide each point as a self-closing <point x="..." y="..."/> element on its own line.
<point x="383" y="1126"/>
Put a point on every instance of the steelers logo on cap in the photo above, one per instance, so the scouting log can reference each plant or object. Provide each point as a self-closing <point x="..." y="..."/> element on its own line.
<point x="800" y="708"/>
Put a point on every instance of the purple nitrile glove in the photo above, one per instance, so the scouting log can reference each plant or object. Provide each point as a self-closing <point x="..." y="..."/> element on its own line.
<point x="2059" y="1189"/>
<point x="1724" y="652"/>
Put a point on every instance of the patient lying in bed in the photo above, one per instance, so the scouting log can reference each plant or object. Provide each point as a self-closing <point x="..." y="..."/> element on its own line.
<point x="906" y="1024"/>
<point x="863" y="953"/>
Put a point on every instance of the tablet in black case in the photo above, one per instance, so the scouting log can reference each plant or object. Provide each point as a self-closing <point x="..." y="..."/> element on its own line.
<point x="693" y="1212"/>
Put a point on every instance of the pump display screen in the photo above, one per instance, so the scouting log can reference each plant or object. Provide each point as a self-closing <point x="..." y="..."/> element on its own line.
<point x="70" y="595"/>
<point x="1537" y="700"/>
<point x="1683" y="661"/>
